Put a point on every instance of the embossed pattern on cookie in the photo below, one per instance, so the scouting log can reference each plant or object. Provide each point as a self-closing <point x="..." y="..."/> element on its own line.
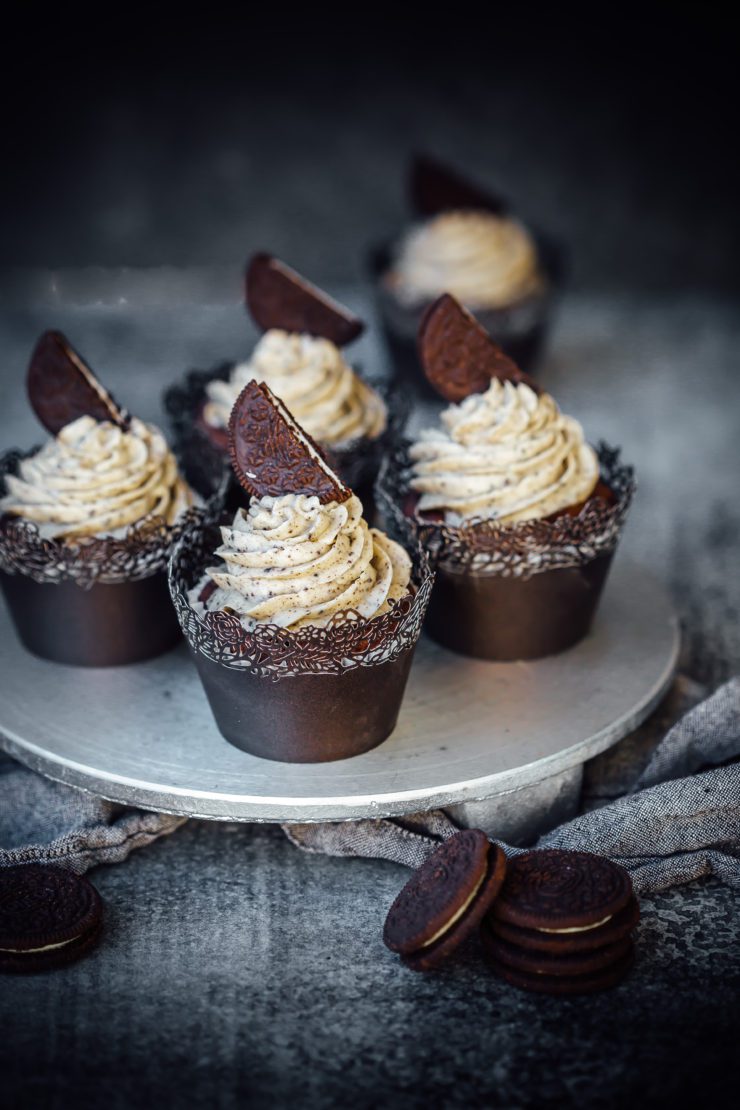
<point x="272" y="455"/>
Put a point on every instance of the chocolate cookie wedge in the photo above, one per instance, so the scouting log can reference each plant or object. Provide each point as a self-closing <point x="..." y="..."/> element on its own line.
<point x="49" y="916"/>
<point x="272" y="455"/>
<point x="279" y="297"/>
<point x="435" y="187"/>
<point x="445" y="900"/>
<point x="62" y="387"/>
<point x="457" y="353"/>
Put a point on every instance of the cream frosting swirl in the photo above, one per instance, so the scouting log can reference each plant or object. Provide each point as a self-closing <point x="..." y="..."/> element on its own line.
<point x="311" y="378"/>
<point x="508" y="454"/>
<point x="292" y="561"/>
<point x="486" y="261"/>
<point x="95" y="479"/>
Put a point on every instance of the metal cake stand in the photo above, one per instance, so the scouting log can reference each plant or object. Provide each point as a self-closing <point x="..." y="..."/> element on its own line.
<point x="500" y="745"/>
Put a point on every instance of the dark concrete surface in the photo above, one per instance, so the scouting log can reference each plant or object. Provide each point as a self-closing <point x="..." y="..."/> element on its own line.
<point x="194" y="142"/>
<point x="236" y="971"/>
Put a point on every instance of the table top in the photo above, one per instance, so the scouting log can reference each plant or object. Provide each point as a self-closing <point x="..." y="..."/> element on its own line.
<point x="239" y="971"/>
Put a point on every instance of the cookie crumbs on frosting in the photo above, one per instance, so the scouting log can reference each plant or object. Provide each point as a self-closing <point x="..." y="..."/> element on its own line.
<point x="97" y="479"/>
<point x="311" y="377"/>
<point x="508" y="454"/>
<point x="292" y="561"/>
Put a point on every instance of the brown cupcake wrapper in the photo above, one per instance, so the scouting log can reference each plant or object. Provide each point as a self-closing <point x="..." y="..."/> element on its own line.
<point x="199" y="447"/>
<point x="103" y="625"/>
<point x="308" y="718"/>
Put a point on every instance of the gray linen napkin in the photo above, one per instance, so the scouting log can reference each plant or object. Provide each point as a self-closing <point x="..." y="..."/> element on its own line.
<point x="46" y="822"/>
<point x="675" y="821"/>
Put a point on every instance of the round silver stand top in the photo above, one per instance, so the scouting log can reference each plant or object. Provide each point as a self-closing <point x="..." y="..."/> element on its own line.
<point x="144" y="735"/>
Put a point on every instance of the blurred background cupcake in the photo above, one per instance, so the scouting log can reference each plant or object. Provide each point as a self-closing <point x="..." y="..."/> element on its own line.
<point x="300" y="357"/>
<point x="87" y="522"/>
<point x="521" y="515"/>
<point x="466" y="242"/>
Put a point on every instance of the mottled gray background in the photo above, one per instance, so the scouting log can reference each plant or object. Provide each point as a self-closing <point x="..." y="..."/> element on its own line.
<point x="212" y="138"/>
<point x="236" y="971"/>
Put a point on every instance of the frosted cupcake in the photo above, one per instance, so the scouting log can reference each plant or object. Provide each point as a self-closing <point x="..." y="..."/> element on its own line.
<point x="464" y="242"/>
<point x="87" y="520"/>
<point x="302" y="619"/>
<point x="521" y="513"/>
<point x="300" y="357"/>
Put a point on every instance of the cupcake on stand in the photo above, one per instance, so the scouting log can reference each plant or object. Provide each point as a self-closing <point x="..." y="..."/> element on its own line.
<point x="300" y="356"/>
<point x="520" y="514"/>
<point x="87" y="521"/>
<point x="302" y="619"/>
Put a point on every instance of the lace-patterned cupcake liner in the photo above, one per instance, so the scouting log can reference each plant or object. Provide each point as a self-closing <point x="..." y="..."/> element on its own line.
<point x="347" y="643"/>
<point x="141" y="552"/>
<point x="522" y="550"/>
<point x="200" y="448"/>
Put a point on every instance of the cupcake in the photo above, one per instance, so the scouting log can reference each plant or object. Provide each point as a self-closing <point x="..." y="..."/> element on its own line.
<point x="465" y="242"/>
<point x="300" y="357"/>
<point x="520" y="514"/>
<point x="302" y="620"/>
<point x="87" y="521"/>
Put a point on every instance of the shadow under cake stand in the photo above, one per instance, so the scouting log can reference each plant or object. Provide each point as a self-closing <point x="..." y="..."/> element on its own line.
<point x="499" y="745"/>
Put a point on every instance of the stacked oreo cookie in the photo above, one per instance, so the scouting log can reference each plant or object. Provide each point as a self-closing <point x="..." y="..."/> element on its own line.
<point x="550" y="921"/>
<point x="562" y="923"/>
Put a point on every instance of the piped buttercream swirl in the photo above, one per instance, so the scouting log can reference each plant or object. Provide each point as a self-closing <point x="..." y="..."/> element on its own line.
<point x="292" y="561"/>
<point x="486" y="261"/>
<point x="310" y="376"/>
<point x="96" y="479"/>
<point x="508" y="454"/>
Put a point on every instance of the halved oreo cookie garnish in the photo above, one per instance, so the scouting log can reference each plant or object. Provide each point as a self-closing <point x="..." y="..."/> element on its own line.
<point x="272" y="455"/>
<point x="457" y="353"/>
<point x="278" y="297"/>
<point x="435" y="187"/>
<point x="62" y="387"/>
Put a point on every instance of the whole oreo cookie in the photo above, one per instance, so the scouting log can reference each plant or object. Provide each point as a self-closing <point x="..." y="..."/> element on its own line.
<point x="435" y="187"/>
<point x="617" y="928"/>
<point x="457" y="353"/>
<point x="278" y="297"/>
<point x="445" y="900"/>
<point x="552" y="891"/>
<point x="62" y="387"/>
<point x="272" y="455"/>
<point x="49" y="916"/>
